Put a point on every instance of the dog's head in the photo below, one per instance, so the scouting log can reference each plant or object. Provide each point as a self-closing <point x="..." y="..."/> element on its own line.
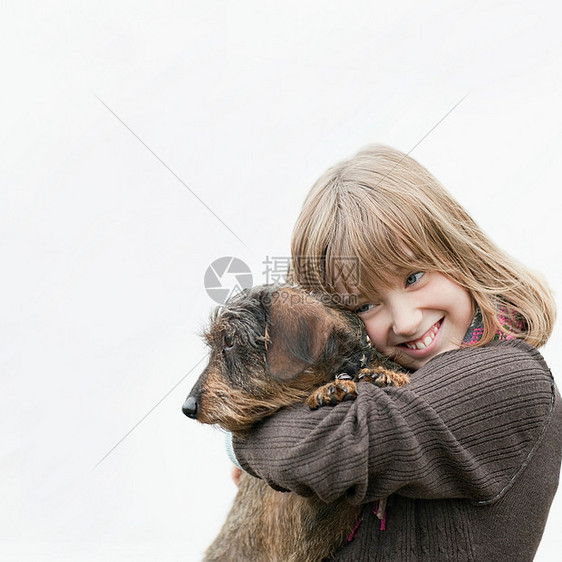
<point x="269" y="347"/>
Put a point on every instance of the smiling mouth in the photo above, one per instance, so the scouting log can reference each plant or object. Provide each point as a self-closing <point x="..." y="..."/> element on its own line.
<point x="426" y="340"/>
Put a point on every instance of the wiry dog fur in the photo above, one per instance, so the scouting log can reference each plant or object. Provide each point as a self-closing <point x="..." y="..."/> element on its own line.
<point x="274" y="347"/>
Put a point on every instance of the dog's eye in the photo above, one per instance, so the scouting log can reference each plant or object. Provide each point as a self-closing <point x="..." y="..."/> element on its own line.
<point x="228" y="341"/>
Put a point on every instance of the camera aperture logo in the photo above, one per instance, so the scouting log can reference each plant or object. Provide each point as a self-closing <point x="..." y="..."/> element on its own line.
<point x="226" y="277"/>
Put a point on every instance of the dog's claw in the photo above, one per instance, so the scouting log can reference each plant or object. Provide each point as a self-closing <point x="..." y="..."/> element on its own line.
<point x="382" y="377"/>
<point x="332" y="394"/>
<point x="344" y="388"/>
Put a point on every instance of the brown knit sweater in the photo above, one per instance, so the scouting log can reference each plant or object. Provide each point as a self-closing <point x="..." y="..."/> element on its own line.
<point x="469" y="453"/>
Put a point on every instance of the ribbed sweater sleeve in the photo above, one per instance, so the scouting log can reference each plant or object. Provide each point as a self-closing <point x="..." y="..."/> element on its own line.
<point x="465" y="427"/>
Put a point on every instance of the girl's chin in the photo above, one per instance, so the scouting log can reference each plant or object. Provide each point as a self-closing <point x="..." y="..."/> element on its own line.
<point x="413" y="363"/>
<point x="408" y="360"/>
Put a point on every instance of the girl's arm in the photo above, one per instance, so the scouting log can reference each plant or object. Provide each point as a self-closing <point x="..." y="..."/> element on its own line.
<point x="464" y="427"/>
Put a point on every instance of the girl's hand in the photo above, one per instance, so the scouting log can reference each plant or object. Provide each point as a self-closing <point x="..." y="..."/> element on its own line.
<point x="236" y="472"/>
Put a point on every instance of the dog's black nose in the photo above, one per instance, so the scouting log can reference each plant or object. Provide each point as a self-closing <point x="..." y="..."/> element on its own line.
<point x="189" y="407"/>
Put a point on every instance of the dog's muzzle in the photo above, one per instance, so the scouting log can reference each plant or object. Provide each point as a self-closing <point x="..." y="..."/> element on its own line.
<point x="189" y="407"/>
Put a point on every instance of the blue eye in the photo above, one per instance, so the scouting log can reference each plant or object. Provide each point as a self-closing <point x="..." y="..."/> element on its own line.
<point x="363" y="308"/>
<point x="413" y="278"/>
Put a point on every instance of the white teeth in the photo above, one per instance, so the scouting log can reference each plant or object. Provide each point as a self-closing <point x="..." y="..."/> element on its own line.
<point x="426" y="342"/>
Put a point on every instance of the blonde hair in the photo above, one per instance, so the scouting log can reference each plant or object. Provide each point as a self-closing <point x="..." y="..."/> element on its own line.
<point x="384" y="210"/>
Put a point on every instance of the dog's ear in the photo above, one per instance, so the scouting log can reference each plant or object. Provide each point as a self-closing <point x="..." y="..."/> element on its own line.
<point x="298" y="331"/>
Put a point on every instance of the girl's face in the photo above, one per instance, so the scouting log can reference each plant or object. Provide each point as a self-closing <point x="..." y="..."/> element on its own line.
<point x="421" y="315"/>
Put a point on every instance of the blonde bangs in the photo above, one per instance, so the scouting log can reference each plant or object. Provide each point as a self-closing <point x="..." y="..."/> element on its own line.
<point x="353" y="241"/>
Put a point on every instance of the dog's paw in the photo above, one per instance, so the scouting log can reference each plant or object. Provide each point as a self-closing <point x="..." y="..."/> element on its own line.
<point x="382" y="377"/>
<point x="332" y="393"/>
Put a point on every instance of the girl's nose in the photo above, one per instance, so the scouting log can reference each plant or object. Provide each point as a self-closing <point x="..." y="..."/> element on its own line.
<point x="406" y="319"/>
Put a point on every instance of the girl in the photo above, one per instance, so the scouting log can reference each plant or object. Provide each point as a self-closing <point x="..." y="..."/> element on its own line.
<point x="468" y="454"/>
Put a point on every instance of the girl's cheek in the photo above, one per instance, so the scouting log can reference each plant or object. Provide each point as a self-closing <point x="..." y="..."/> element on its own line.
<point x="373" y="332"/>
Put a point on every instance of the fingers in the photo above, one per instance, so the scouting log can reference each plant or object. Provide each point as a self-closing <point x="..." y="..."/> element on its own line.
<point x="235" y="474"/>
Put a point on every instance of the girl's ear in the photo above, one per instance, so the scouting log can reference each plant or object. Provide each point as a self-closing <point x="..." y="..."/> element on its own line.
<point x="297" y="333"/>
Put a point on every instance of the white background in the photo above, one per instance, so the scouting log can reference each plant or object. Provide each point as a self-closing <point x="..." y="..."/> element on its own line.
<point x="106" y="108"/>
